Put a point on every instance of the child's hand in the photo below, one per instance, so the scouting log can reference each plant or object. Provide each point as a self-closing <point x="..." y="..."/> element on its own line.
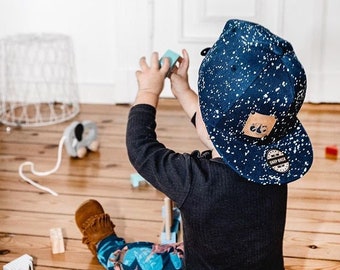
<point x="151" y="79"/>
<point x="180" y="86"/>
<point x="179" y="76"/>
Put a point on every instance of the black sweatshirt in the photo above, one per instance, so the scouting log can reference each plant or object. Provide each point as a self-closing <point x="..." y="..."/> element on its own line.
<point x="229" y="222"/>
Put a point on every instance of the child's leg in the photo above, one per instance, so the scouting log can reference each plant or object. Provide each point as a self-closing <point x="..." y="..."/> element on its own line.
<point x="109" y="251"/>
<point x="148" y="256"/>
<point x="113" y="252"/>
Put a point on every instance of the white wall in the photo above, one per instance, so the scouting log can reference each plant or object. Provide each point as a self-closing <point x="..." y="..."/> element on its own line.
<point x="109" y="36"/>
<point x="314" y="28"/>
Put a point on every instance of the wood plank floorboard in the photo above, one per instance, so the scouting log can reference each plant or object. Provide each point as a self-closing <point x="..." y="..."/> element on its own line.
<point x="312" y="237"/>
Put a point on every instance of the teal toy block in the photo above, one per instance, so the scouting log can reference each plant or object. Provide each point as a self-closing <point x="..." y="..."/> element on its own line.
<point x="173" y="57"/>
<point x="136" y="180"/>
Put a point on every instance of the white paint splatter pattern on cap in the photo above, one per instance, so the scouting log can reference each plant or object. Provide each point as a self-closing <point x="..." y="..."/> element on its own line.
<point x="250" y="71"/>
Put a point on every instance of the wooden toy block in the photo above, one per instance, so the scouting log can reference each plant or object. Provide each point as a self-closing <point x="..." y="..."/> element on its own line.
<point x="25" y="262"/>
<point x="137" y="180"/>
<point x="168" y="216"/>
<point x="57" y="240"/>
<point x="331" y="152"/>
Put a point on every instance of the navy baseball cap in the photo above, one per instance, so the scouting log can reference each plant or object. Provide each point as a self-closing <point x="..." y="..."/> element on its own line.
<point x="251" y="87"/>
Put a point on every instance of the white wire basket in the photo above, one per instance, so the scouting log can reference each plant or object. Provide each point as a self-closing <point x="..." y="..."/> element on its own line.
<point x="38" y="83"/>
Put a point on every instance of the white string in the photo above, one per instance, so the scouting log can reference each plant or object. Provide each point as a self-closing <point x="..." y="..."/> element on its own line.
<point x="37" y="173"/>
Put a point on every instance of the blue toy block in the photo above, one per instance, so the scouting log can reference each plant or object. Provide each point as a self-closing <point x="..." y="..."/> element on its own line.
<point x="173" y="57"/>
<point x="136" y="180"/>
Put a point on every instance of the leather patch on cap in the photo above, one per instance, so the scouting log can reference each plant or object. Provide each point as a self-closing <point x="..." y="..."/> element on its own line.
<point x="258" y="125"/>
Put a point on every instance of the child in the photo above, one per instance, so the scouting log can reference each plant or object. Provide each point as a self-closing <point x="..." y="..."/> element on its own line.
<point x="232" y="197"/>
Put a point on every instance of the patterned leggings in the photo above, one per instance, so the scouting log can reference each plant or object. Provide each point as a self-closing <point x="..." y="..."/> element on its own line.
<point x="113" y="253"/>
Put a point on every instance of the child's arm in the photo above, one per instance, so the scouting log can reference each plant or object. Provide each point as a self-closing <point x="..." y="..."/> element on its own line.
<point x="150" y="80"/>
<point x="181" y="89"/>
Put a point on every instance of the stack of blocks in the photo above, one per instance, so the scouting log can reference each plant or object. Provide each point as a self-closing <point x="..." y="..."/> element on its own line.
<point x="172" y="225"/>
<point x="172" y="230"/>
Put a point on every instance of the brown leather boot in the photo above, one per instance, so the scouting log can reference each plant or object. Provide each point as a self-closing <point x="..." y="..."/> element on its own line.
<point x="93" y="223"/>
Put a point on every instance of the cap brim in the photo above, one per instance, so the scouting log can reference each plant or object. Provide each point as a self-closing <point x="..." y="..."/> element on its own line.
<point x="278" y="162"/>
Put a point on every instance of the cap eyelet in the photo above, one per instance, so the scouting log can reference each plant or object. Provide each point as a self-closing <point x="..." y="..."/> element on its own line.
<point x="205" y="51"/>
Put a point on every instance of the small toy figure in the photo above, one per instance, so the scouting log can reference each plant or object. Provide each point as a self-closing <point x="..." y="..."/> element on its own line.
<point x="80" y="137"/>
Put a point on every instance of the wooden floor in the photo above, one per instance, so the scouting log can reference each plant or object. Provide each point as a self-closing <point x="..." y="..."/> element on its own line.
<point x="312" y="237"/>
